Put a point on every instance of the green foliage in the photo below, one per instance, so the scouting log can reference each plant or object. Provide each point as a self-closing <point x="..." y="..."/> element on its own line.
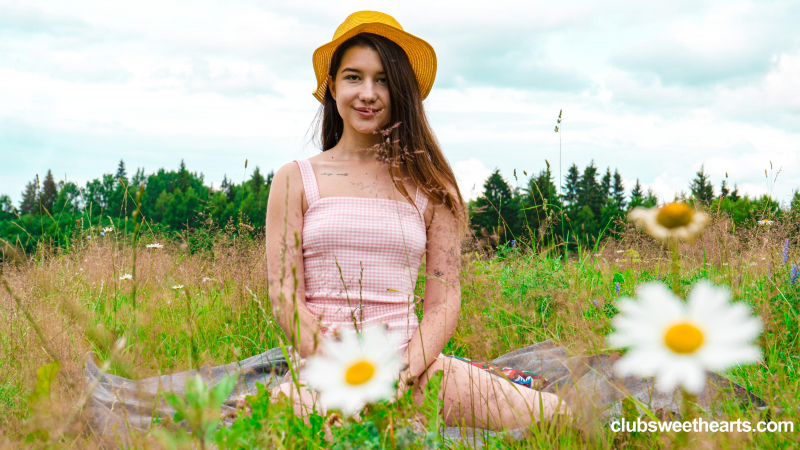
<point x="200" y="408"/>
<point x="63" y="214"/>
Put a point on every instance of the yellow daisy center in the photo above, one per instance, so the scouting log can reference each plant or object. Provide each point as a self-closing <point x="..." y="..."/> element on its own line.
<point x="359" y="373"/>
<point x="675" y="215"/>
<point x="683" y="338"/>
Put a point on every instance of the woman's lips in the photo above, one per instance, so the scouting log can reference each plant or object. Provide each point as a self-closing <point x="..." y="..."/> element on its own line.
<point x="368" y="113"/>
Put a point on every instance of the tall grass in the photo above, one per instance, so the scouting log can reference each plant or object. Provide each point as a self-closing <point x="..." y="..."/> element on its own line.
<point x="512" y="298"/>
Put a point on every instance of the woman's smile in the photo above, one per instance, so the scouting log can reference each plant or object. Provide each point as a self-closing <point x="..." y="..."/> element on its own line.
<point x="368" y="112"/>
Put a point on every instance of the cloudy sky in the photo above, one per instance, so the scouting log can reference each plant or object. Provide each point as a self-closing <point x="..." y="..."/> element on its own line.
<point x="655" y="89"/>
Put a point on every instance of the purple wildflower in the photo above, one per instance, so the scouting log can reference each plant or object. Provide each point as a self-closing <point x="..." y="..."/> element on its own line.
<point x="514" y="243"/>
<point x="594" y="302"/>
<point x="795" y="274"/>
<point x="786" y="251"/>
<point x="616" y="286"/>
<point x="737" y="280"/>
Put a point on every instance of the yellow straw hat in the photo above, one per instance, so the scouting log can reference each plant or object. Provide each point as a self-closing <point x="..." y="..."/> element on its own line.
<point x="420" y="53"/>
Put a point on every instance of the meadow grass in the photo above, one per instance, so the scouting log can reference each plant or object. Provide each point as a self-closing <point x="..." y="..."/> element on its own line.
<point x="511" y="298"/>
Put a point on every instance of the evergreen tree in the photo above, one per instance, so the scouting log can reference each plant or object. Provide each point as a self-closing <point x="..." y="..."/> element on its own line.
<point x="30" y="198"/>
<point x="497" y="197"/>
<point x="637" y="196"/>
<point x="618" y="191"/>
<point x="605" y="184"/>
<point x="257" y="181"/>
<point x="49" y="192"/>
<point x="702" y="190"/>
<point x="651" y="200"/>
<point x="571" y="185"/>
<point x="121" y="173"/>
<point x="182" y="181"/>
<point x="138" y="178"/>
<point x="590" y="193"/>
<point x="538" y="201"/>
<point x="735" y="193"/>
<point x="723" y="189"/>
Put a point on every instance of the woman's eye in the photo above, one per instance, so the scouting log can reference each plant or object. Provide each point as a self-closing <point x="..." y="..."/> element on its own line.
<point x="350" y="77"/>
<point x="382" y="80"/>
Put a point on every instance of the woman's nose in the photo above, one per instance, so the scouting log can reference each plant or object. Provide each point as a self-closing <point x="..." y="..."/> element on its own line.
<point x="368" y="93"/>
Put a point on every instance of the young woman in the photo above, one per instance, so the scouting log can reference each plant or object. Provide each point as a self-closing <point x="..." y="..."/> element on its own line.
<point x="348" y="227"/>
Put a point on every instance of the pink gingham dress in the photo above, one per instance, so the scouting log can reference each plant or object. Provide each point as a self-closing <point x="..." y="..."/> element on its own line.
<point x="361" y="258"/>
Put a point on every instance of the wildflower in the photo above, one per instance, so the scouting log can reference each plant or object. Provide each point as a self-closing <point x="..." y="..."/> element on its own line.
<point x="88" y="237"/>
<point x="127" y="276"/>
<point x="794" y="274"/>
<point x="598" y="254"/>
<point x="737" y="280"/>
<point x="762" y="223"/>
<point x="677" y="342"/>
<point x="355" y="370"/>
<point x="156" y="245"/>
<point x="177" y="286"/>
<point x="207" y="279"/>
<point x="786" y="251"/>
<point x="513" y="243"/>
<point x="676" y="221"/>
<point x="108" y="229"/>
<point x="617" y="287"/>
<point x="102" y="233"/>
<point x="620" y="251"/>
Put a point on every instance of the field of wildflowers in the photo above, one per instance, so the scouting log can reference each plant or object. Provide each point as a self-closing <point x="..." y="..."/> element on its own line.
<point x="146" y="306"/>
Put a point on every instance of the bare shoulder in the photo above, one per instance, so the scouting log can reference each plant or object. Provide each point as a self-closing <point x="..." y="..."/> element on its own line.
<point x="288" y="181"/>
<point x="441" y="213"/>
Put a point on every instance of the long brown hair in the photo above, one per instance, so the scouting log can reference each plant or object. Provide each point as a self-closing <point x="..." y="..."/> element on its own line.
<point x="409" y="142"/>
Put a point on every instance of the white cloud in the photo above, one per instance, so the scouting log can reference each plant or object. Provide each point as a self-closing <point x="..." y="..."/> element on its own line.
<point x="87" y="83"/>
<point x="470" y="175"/>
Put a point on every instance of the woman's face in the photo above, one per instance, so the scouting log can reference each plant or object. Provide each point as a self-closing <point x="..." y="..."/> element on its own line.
<point x="361" y="91"/>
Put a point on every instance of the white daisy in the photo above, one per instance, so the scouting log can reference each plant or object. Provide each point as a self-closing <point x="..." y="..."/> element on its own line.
<point x="206" y="279"/>
<point x="108" y="229"/>
<point x="677" y="342"/>
<point x="355" y="370"/>
<point x="674" y="221"/>
<point x="156" y="245"/>
<point x="127" y="276"/>
<point x="761" y="223"/>
<point x="177" y="286"/>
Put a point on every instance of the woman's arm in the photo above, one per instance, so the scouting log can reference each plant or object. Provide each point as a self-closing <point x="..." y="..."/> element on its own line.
<point x="442" y="293"/>
<point x="285" y="269"/>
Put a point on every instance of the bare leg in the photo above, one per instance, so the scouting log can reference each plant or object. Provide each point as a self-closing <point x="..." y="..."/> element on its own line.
<point x="476" y="398"/>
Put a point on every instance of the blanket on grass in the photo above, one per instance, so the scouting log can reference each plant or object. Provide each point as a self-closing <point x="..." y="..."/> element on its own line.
<point x="119" y="406"/>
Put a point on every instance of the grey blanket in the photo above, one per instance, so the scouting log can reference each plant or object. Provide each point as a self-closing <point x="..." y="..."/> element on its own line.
<point x="119" y="406"/>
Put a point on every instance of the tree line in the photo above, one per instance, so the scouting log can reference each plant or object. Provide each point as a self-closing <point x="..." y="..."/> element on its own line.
<point x="586" y="208"/>
<point x="591" y="203"/>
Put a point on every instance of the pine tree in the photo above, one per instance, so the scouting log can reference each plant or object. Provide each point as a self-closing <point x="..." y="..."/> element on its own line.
<point x="30" y="198"/>
<point x="605" y="184"/>
<point x="723" y="189"/>
<point x="735" y="193"/>
<point x="49" y="192"/>
<point x="618" y="191"/>
<point x="182" y="181"/>
<point x="539" y="199"/>
<point x="257" y="181"/>
<point x="571" y="185"/>
<point x="651" y="200"/>
<point x="138" y="178"/>
<point x="497" y="197"/>
<point x="637" y="196"/>
<point x="590" y="193"/>
<point x="702" y="190"/>
<point x="121" y="173"/>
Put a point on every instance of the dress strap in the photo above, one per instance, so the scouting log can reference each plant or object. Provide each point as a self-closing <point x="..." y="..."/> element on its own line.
<point x="309" y="181"/>
<point x="421" y="201"/>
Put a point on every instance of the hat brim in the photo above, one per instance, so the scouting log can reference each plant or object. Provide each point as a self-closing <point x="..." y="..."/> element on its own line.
<point x="420" y="54"/>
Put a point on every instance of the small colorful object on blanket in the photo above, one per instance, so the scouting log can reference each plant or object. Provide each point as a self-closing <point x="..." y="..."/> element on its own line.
<point x="516" y="376"/>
